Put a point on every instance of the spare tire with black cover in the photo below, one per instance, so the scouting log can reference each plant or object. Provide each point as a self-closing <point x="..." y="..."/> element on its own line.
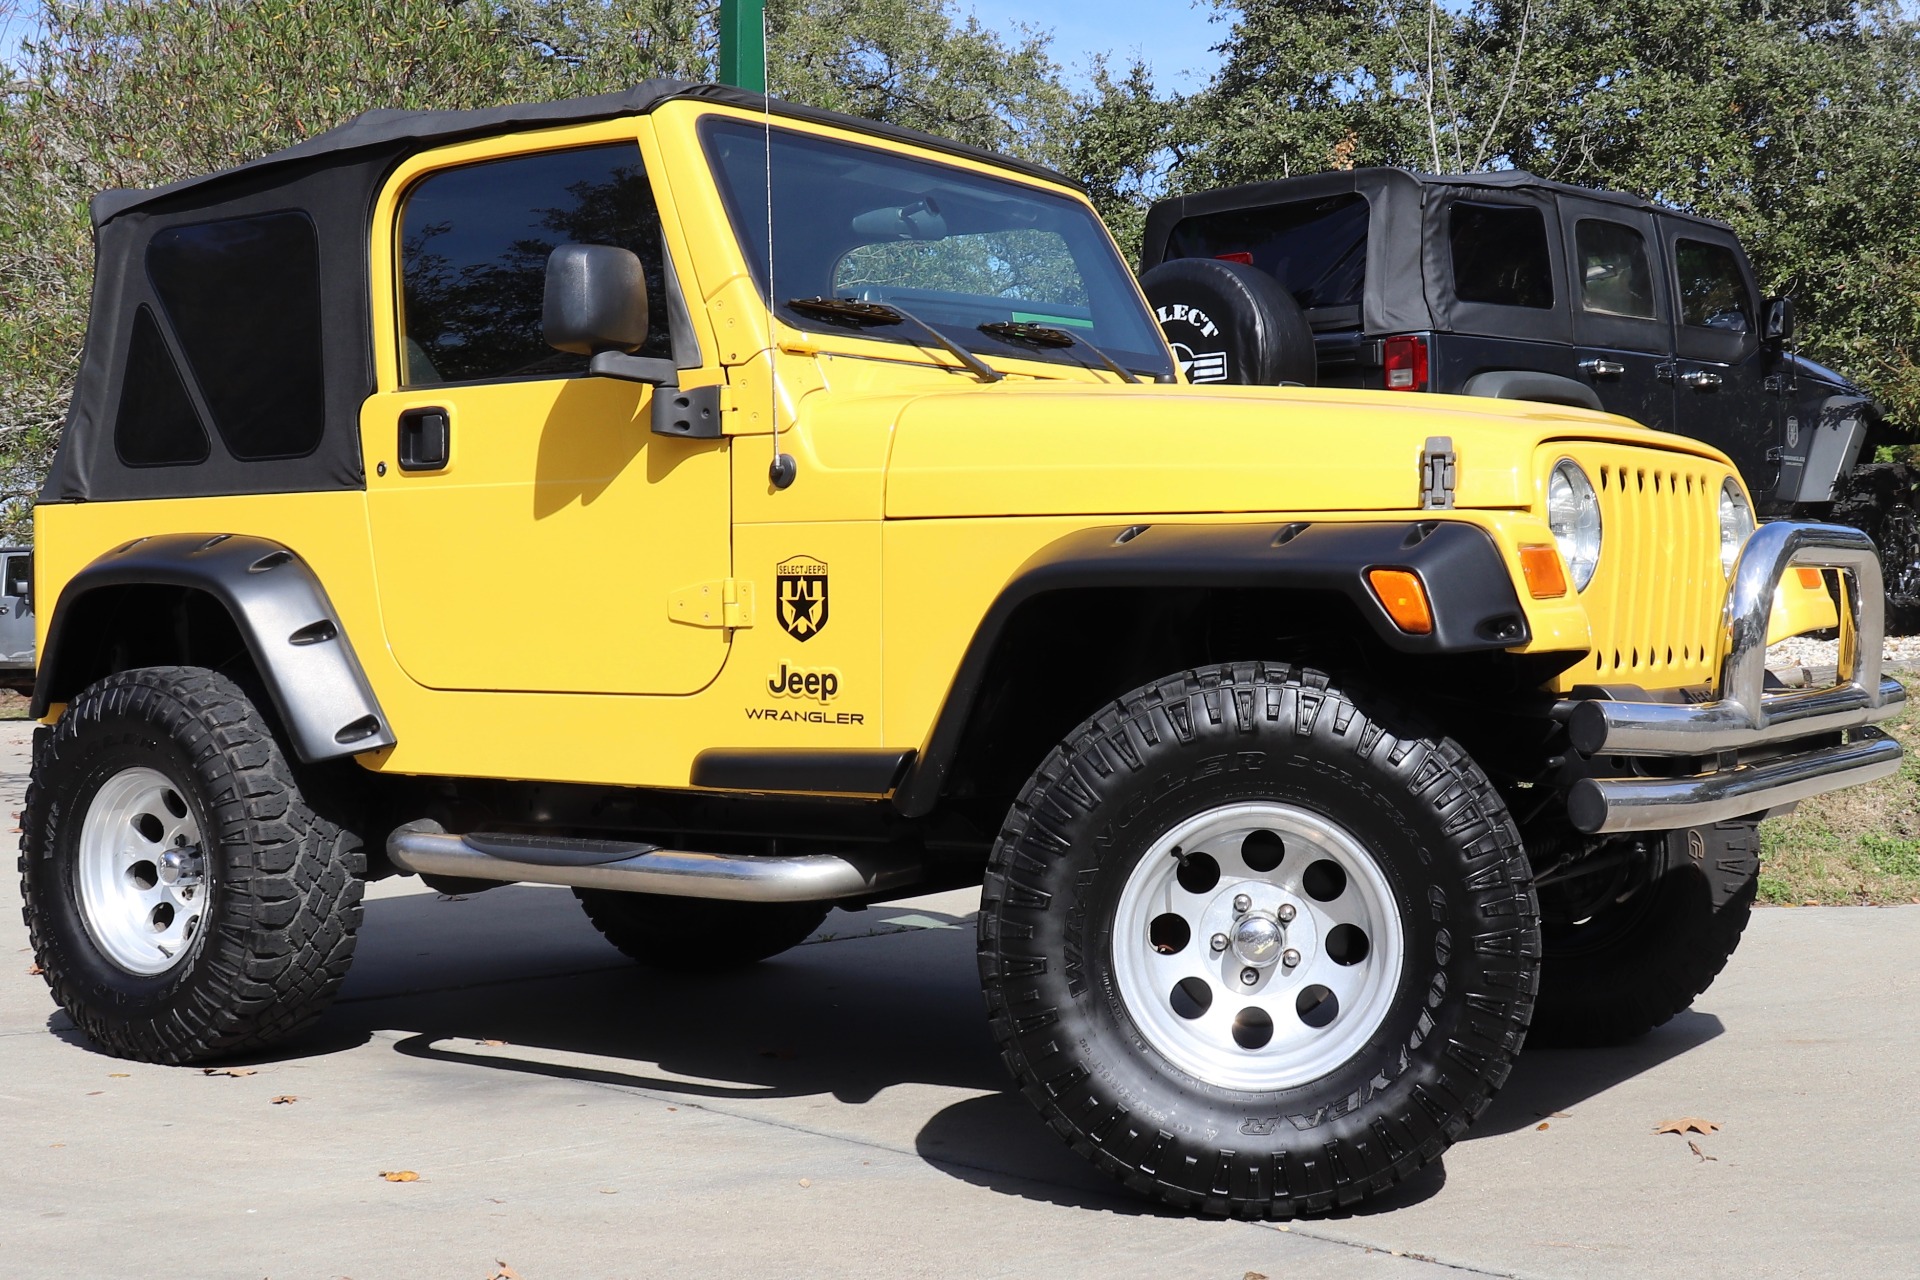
<point x="1230" y="322"/>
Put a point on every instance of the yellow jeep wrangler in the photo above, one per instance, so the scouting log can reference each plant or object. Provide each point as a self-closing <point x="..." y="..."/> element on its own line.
<point x="732" y="510"/>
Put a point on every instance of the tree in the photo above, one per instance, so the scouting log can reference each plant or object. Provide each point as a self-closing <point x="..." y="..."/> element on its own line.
<point x="138" y="93"/>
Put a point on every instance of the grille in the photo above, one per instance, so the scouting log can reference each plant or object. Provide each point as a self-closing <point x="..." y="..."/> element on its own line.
<point x="1655" y="599"/>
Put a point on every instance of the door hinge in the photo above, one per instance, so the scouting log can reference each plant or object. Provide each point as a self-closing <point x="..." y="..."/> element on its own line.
<point x="1437" y="470"/>
<point x="1666" y="370"/>
<point x="723" y="602"/>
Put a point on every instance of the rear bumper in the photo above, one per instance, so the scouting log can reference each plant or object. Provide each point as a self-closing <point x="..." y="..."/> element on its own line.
<point x="1793" y="730"/>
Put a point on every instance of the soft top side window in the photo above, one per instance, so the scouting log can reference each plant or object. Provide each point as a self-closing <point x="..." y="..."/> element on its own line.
<point x="1615" y="278"/>
<point x="474" y="243"/>
<point x="243" y="298"/>
<point x="1500" y="254"/>
<point x="155" y="424"/>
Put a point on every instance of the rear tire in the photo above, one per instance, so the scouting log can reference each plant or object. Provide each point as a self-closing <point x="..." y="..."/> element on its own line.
<point x="1639" y="959"/>
<point x="687" y="934"/>
<point x="181" y="896"/>
<point x="1231" y="323"/>
<point x="1350" y="853"/>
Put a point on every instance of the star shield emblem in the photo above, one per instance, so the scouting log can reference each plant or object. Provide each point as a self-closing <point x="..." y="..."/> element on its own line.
<point x="802" y="587"/>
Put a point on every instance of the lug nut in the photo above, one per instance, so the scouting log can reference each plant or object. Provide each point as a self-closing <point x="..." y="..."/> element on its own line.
<point x="1249" y="976"/>
<point x="1286" y="912"/>
<point x="1242" y="904"/>
<point x="1289" y="957"/>
<point x="1219" y="943"/>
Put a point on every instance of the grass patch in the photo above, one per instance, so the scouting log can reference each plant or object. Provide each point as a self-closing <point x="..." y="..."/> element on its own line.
<point x="1860" y="846"/>
<point x="13" y="706"/>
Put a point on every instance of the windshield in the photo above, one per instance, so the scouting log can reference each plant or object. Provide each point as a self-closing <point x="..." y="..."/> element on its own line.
<point x="955" y="248"/>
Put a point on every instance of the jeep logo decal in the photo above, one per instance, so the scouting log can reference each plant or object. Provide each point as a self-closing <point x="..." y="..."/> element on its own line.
<point x="802" y="586"/>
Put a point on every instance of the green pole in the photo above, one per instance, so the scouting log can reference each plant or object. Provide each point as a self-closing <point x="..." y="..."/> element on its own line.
<point x="743" y="47"/>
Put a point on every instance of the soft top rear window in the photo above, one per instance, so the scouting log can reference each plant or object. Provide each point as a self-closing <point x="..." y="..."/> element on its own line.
<point x="1316" y="249"/>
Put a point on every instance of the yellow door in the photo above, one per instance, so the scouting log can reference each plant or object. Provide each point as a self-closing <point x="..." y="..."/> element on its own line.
<point x="528" y="528"/>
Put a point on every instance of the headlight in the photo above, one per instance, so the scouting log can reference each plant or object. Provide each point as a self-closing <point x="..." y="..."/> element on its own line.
<point x="1573" y="513"/>
<point x="1736" y="523"/>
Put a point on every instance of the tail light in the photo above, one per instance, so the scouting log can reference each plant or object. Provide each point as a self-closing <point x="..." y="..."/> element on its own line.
<point x="1243" y="258"/>
<point x="1404" y="363"/>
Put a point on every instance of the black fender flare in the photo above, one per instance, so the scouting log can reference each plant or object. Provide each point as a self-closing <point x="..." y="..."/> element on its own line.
<point x="1531" y="384"/>
<point x="283" y="616"/>
<point x="1468" y="584"/>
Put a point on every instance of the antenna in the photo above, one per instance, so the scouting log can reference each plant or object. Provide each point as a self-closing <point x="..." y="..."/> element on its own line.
<point x="781" y="471"/>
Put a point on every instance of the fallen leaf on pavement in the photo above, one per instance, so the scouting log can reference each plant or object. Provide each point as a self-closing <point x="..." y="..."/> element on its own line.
<point x="1687" y="1124"/>
<point x="236" y="1072"/>
<point x="1254" y="1275"/>
<point x="284" y="1099"/>
<point x="806" y="1182"/>
<point x="1541" y="1125"/>
<point x="1695" y="1148"/>
<point x="118" y="1075"/>
<point x="494" y="1044"/>
<point x="400" y="1175"/>
<point x="503" y="1272"/>
<point x="94" y="1093"/>
<point x="34" y="971"/>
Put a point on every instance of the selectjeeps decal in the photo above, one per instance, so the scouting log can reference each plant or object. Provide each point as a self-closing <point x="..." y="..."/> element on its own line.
<point x="802" y="586"/>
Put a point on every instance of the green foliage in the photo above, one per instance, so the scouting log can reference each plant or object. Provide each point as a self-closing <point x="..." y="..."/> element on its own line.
<point x="1797" y="121"/>
<point x="138" y="93"/>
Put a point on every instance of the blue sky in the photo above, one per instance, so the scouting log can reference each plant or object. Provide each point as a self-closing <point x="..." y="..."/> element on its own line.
<point x="1174" y="36"/>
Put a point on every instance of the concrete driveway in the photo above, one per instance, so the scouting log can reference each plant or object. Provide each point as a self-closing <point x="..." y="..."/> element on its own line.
<point x="840" y="1112"/>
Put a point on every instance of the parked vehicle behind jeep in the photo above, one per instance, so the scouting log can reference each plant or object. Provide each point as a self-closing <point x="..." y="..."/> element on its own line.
<point x="1508" y="285"/>
<point x="864" y="542"/>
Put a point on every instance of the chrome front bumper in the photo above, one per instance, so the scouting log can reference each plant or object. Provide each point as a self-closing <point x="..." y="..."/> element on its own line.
<point x="1746" y="716"/>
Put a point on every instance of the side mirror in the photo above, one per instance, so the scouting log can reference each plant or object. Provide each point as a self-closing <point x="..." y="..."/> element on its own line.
<point x="1778" y="326"/>
<point x="596" y="300"/>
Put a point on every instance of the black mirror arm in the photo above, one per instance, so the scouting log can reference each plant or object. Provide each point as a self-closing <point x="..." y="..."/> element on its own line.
<point x="691" y="414"/>
<point x="648" y="369"/>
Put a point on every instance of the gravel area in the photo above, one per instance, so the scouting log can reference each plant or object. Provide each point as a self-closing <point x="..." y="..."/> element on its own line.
<point x="1901" y="652"/>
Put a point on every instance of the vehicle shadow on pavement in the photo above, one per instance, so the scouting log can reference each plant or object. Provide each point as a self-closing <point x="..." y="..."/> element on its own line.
<point x="846" y="1018"/>
<point x="1546" y="1081"/>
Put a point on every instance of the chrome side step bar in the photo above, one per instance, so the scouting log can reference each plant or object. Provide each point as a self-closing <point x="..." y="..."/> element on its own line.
<point x="423" y="849"/>
<point x="1662" y="804"/>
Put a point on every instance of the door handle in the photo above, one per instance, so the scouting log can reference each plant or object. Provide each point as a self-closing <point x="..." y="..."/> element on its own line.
<point x="425" y="440"/>
<point x="1701" y="379"/>
<point x="1600" y="370"/>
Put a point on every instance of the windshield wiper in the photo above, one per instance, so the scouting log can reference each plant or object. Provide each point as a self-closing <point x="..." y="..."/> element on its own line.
<point x="1045" y="335"/>
<point x="854" y="312"/>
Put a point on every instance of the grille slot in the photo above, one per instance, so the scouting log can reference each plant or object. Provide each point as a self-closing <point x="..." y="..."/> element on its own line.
<point x="1656" y="597"/>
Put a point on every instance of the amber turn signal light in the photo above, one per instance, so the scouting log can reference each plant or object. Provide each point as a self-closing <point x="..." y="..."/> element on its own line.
<point x="1546" y="576"/>
<point x="1811" y="579"/>
<point x="1404" y="598"/>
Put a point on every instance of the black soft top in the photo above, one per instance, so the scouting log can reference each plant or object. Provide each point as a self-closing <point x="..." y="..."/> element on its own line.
<point x="333" y="179"/>
<point x="1405" y="289"/>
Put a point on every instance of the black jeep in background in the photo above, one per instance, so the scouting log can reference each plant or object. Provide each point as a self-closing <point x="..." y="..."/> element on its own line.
<point x="1507" y="285"/>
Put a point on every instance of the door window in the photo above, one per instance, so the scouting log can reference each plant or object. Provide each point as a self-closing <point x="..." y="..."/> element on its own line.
<point x="1615" y="278"/>
<point x="474" y="243"/>
<point x="1713" y="289"/>
<point x="19" y="577"/>
<point x="1500" y="255"/>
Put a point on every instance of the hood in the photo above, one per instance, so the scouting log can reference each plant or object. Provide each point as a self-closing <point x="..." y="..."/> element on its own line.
<point x="1812" y="369"/>
<point x="1020" y="450"/>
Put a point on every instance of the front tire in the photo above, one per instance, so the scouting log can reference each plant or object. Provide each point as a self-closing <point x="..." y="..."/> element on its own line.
<point x="1358" y="865"/>
<point x="1625" y="949"/>
<point x="181" y="896"/>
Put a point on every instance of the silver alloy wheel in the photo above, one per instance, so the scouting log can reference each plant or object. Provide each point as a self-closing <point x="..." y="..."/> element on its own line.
<point x="1258" y="946"/>
<point x="141" y="872"/>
